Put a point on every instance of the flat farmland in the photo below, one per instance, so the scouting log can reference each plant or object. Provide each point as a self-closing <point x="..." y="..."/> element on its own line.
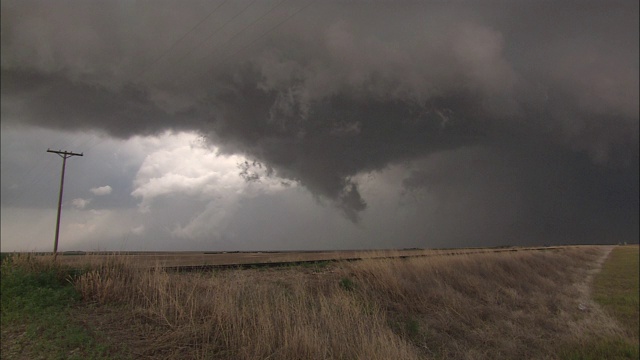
<point x="474" y="303"/>
<point x="213" y="259"/>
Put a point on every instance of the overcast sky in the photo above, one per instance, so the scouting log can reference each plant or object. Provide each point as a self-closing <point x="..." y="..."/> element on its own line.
<point x="298" y="125"/>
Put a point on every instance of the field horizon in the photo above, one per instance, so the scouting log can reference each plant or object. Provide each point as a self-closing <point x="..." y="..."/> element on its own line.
<point x="195" y="258"/>
<point x="464" y="305"/>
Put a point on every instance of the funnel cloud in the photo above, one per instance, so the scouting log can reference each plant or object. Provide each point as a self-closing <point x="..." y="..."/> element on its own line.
<point x="511" y="119"/>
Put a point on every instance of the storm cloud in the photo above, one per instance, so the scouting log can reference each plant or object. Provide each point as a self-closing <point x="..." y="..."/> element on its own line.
<point x="520" y="118"/>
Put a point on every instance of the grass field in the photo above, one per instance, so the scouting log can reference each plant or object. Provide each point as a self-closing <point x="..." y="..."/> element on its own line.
<point x="37" y="301"/>
<point x="187" y="259"/>
<point x="617" y="288"/>
<point x="508" y="305"/>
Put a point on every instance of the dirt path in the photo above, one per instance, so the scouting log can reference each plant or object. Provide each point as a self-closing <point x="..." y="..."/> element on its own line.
<point x="596" y="320"/>
<point x="576" y="316"/>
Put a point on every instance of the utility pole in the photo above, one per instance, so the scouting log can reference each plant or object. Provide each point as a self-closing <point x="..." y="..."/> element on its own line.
<point x="64" y="155"/>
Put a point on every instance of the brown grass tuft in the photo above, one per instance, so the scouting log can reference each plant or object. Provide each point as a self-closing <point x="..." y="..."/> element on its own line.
<point x="475" y="306"/>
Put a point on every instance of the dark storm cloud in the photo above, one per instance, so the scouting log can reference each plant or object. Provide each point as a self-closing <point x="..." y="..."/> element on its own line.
<point x="528" y="193"/>
<point x="54" y="101"/>
<point x="349" y="87"/>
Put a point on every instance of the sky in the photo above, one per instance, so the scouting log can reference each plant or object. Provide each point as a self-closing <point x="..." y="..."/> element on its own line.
<point x="316" y="125"/>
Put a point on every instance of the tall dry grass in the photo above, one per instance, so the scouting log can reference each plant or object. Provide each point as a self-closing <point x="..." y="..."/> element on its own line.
<point x="484" y="306"/>
<point x="246" y="315"/>
<point x="479" y="306"/>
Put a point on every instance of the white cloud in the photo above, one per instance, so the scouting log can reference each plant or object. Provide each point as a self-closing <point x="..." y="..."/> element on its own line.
<point x="81" y="203"/>
<point x="103" y="190"/>
<point x="181" y="165"/>
<point x="138" y="230"/>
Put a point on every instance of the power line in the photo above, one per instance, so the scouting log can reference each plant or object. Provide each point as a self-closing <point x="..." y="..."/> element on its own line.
<point x="34" y="179"/>
<point x="37" y="179"/>
<point x="167" y="51"/>
<point x="263" y="34"/>
<point x="279" y="24"/>
<point x="270" y="30"/>
<point x="175" y="43"/>
<point x="30" y="181"/>
<point x="239" y="32"/>
<point x="213" y="33"/>
<point x="36" y="172"/>
<point x="86" y="141"/>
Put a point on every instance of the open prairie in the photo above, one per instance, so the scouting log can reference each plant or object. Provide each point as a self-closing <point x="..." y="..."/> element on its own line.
<point x="362" y="130"/>
<point x="213" y="259"/>
<point x="478" y="304"/>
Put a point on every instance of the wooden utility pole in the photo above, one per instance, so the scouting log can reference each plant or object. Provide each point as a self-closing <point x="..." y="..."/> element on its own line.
<point x="64" y="155"/>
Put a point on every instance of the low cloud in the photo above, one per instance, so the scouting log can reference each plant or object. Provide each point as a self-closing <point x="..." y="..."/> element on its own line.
<point x="81" y="203"/>
<point x="103" y="190"/>
<point x="187" y="174"/>
<point x="350" y="88"/>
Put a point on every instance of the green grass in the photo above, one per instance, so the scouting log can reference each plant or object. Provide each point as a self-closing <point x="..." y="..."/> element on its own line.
<point x="347" y="284"/>
<point x="36" y="298"/>
<point x="601" y="349"/>
<point x="616" y="289"/>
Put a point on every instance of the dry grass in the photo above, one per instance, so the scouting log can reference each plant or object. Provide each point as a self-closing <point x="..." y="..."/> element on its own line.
<point x="481" y="306"/>
<point x="247" y="315"/>
<point x="177" y="259"/>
